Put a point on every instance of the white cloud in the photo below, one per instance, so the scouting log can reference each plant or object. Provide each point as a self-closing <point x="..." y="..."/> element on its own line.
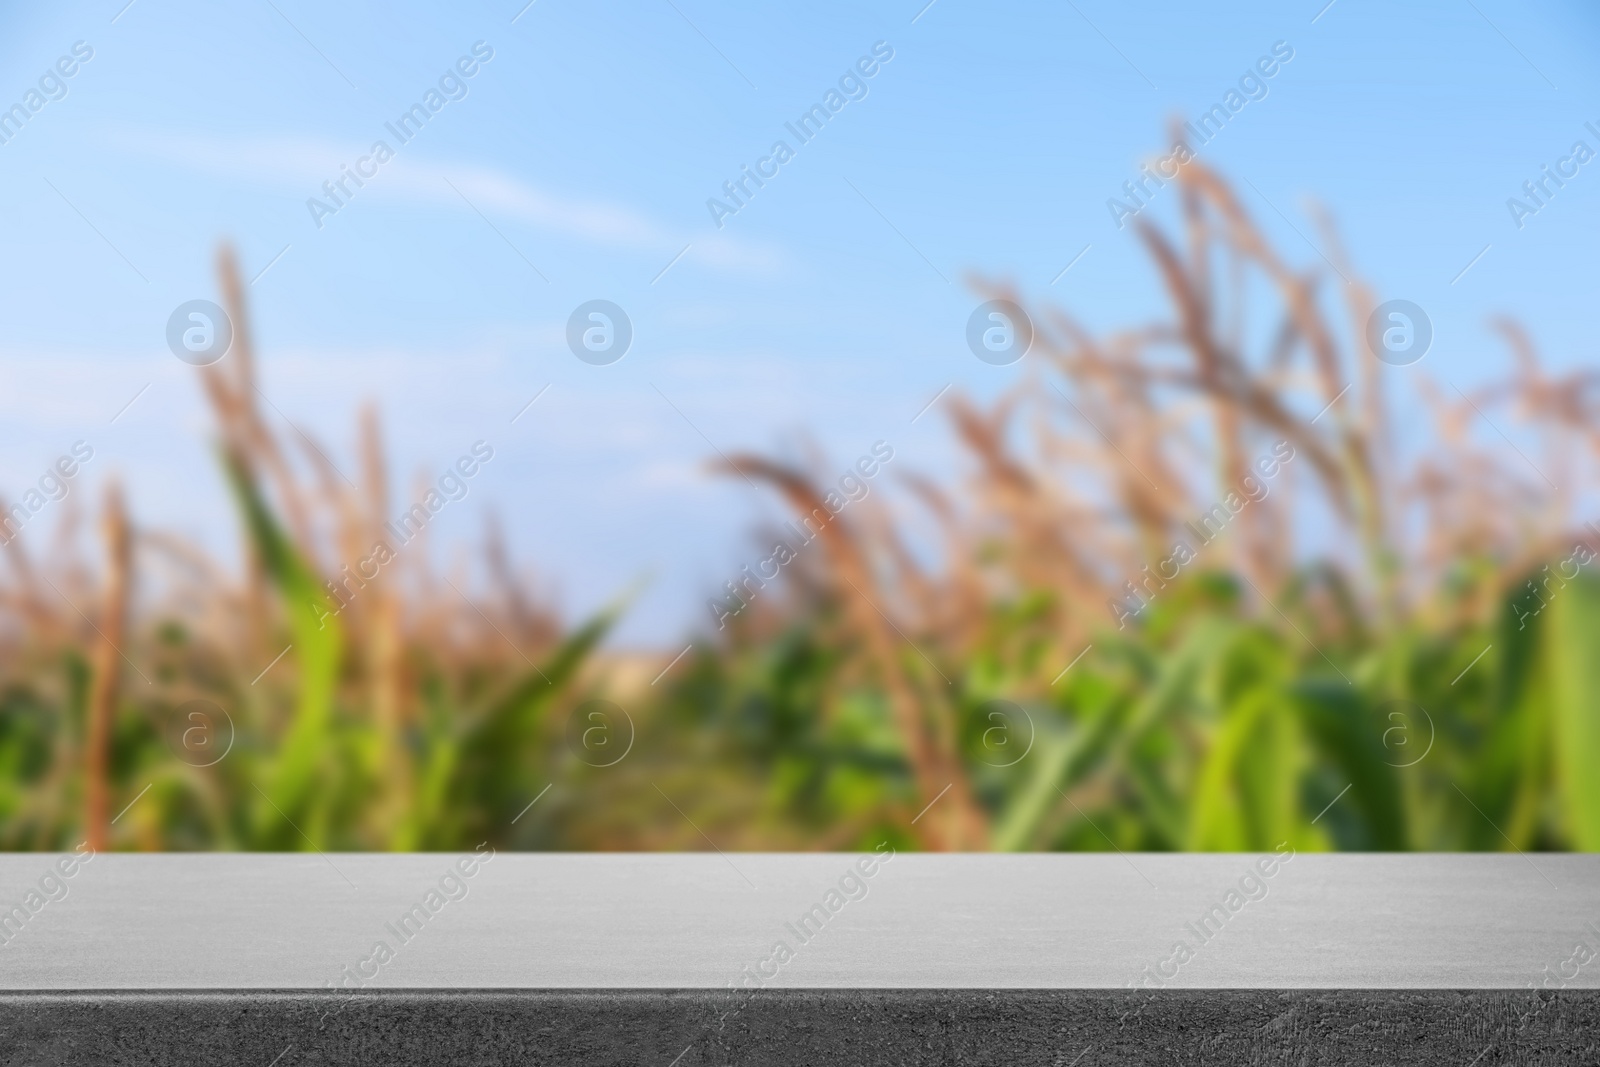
<point x="301" y="164"/>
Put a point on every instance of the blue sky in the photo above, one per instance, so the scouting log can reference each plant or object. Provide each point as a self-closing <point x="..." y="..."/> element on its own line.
<point x="831" y="308"/>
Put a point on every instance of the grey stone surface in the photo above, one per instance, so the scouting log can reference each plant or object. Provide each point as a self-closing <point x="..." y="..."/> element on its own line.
<point x="697" y="921"/>
<point x="657" y="1028"/>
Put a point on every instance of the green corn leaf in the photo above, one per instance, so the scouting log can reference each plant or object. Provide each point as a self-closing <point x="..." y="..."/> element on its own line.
<point x="292" y="804"/>
<point x="1570" y="628"/>
<point x="499" y="756"/>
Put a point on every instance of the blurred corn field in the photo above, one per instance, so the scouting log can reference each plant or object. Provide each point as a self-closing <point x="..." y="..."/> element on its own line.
<point x="1192" y="591"/>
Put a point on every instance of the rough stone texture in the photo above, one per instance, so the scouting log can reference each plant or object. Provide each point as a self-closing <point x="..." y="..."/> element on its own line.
<point x="1008" y="1028"/>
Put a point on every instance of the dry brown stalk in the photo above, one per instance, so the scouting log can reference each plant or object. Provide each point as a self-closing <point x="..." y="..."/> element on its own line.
<point x="928" y="737"/>
<point x="107" y="668"/>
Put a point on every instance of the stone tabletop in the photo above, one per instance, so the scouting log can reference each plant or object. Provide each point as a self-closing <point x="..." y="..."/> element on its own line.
<point x="812" y="921"/>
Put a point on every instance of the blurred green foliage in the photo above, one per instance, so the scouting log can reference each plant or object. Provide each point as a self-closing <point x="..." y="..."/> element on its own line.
<point x="1204" y="727"/>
